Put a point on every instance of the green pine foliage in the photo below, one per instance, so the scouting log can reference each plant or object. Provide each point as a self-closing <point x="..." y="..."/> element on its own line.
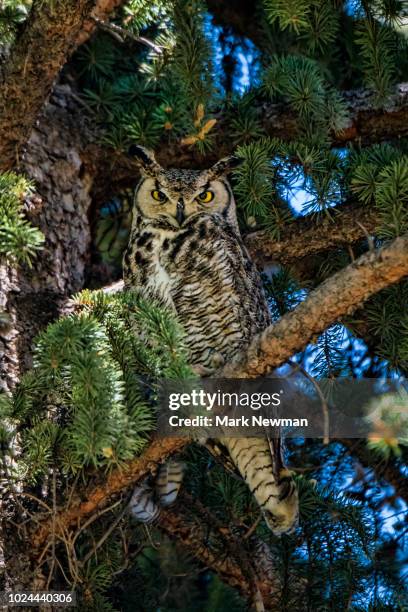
<point x="387" y="321"/>
<point x="89" y="401"/>
<point x="379" y="177"/>
<point x="19" y="240"/>
<point x="315" y="23"/>
<point x="299" y="81"/>
<point x="89" y="404"/>
<point x="140" y="14"/>
<point x="190" y="66"/>
<point x="165" y="91"/>
<point x="12" y="14"/>
<point x="282" y="291"/>
<point x="273" y="170"/>
<point x="379" y="42"/>
<point x="376" y="43"/>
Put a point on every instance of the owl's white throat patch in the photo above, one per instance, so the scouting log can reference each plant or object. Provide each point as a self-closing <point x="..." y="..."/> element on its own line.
<point x="159" y="282"/>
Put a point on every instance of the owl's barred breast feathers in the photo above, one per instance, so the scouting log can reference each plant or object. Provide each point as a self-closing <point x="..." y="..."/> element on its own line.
<point x="185" y="249"/>
<point x="205" y="274"/>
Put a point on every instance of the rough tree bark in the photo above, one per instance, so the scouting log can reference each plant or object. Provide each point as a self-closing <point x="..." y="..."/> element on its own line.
<point x="51" y="33"/>
<point x="32" y="298"/>
<point x="102" y="10"/>
<point x="57" y="134"/>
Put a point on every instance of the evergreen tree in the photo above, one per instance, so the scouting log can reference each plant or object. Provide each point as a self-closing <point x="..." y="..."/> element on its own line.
<point x="309" y="95"/>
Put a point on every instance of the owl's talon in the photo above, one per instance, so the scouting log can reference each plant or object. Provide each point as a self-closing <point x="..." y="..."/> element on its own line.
<point x="217" y="361"/>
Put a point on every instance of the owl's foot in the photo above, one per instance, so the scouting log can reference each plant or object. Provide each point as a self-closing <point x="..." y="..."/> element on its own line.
<point x="283" y="515"/>
<point x="202" y="371"/>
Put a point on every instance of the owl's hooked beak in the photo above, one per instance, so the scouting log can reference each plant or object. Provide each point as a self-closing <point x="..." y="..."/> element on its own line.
<point x="180" y="216"/>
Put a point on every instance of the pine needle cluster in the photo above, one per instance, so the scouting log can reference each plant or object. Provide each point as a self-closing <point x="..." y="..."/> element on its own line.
<point x="89" y="401"/>
<point x="12" y="14"/>
<point x="19" y="240"/>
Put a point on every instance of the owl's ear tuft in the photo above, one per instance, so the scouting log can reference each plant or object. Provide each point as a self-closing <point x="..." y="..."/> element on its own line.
<point x="224" y="166"/>
<point x="145" y="159"/>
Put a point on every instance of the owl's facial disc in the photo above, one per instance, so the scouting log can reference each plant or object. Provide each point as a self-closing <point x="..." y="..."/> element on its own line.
<point x="176" y="196"/>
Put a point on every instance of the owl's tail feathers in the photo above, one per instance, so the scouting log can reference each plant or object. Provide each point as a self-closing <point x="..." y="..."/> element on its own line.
<point x="146" y="501"/>
<point x="260" y="463"/>
<point x="142" y="504"/>
<point x="280" y="505"/>
<point x="168" y="482"/>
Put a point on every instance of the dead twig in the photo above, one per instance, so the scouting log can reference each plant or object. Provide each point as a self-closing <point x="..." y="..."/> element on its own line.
<point x="121" y="34"/>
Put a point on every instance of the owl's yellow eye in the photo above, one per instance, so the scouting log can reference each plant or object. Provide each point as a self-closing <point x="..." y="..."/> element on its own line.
<point x="206" y="196"/>
<point x="159" y="196"/>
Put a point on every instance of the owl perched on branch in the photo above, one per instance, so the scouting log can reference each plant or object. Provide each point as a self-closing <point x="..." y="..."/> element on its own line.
<point x="185" y="249"/>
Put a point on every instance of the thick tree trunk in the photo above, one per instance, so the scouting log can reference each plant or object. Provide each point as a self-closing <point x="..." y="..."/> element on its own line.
<point x="51" y="33"/>
<point x="32" y="298"/>
<point x="36" y="57"/>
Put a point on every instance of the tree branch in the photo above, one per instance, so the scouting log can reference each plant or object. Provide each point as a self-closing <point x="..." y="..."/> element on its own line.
<point x="370" y="124"/>
<point x="121" y="34"/>
<point x="366" y="125"/>
<point x="101" y="12"/>
<point x="114" y="170"/>
<point x="246" y="565"/>
<point x="117" y="481"/>
<point x="50" y="34"/>
<point x="341" y="294"/>
<point x="306" y="236"/>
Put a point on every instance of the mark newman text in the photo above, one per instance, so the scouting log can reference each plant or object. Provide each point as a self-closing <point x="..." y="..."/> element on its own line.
<point x="242" y="421"/>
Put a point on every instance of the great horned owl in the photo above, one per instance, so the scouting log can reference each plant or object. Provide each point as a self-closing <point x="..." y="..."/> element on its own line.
<point x="185" y="248"/>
